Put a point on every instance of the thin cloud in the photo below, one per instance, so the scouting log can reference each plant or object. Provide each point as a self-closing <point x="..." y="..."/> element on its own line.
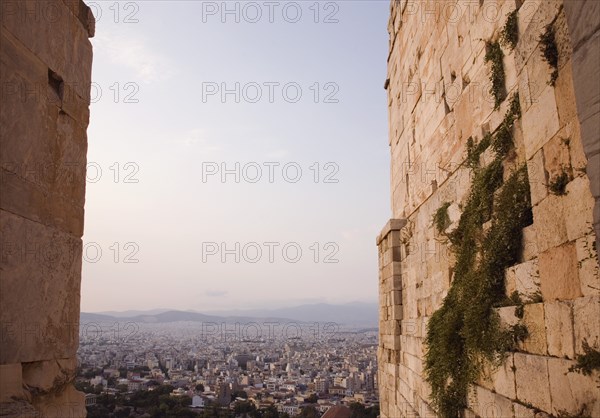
<point x="149" y="66"/>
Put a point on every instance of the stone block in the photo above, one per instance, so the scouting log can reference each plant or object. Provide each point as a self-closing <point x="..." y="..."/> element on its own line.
<point x="501" y="379"/>
<point x="533" y="16"/>
<point x="533" y="319"/>
<point x="571" y="392"/>
<point x="549" y="222"/>
<point x="586" y="322"/>
<point x="559" y="328"/>
<point x="530" y="249"/>
<point x="579" y="161"/>
<point x="485" y="403"/>
<point x="587" y="260"/>
<point x="565" y="95"/>
<point x="532" y="380"/>
<point x="540" y="122"/>
<point x="578" y="208"/>
<point x="44" y="264"/>
<point x="58" y="48"/>
<point x="557" y="159"/>
<point x="538" y="177"/>
<point x="539" y="73"/>
<point x="50" y="375"/>
<point x="523" y="278"/>
<point x="521" y="411"/>
<point x="559" y="274"/>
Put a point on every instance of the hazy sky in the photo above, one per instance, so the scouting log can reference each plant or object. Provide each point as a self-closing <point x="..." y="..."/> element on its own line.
<point x="304" y="130"/>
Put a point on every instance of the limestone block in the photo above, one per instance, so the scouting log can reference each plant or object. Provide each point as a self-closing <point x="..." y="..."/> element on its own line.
<point x="11" y="382"/>
<point x="579" y="161"/>
<point x="510" y="71"/>
<point x="565" y="95"/>
<point x="559" y="275"/>
<point x="523" y="278"/>
<point x="529" y="239"/>
<point x="501" y="379"/>
<point x="521" y="411"/>
<point x="397" y="312"/>
<point x="559" y="328"/>
<point x="549" y="222"/>
<point x="572" y="392"/>
<point x="538" y="177"/>
<point x="532" y="380"/>
<point x="540" y="122"/>
<point x="533" y="16"/>
<point x="50" y="375"/>
<point x="525" y="94"/>
<point x="44" y="264"/>
<point x="58" y="48"/>
<point x="32" y="201"/>
<point x="556" y="157"/>
<point x="539" y="74"/>
<point x="488" y="404"/>
<point x="586" y="320"/>
<point x="533" y="319"/>
<point x="587" y="260"/>
<point x="578" y="208"/>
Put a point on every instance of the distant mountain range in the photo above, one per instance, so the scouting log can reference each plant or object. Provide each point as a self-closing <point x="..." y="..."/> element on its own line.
<point x="356" y="313"/>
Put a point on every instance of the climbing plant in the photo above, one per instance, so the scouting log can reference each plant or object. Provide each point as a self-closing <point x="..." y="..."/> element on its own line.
<point x="495" y="56"/>
<point x="550" y="51"/>
<point x="510" y="32"/>
<point x="466" y="333"/>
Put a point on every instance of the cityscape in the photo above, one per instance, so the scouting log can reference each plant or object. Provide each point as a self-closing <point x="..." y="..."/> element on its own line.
<point x="265" y="368"/>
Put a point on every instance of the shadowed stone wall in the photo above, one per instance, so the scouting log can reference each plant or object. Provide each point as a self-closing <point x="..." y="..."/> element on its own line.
<point x="45" y="66"/>
<point x="438" y="97"/>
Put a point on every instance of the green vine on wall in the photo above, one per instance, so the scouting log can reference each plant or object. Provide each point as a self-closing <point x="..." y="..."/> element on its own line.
<point x="510" y="33"/>
<point x="588" y="362"/>
<point x="441" y="220"/>
<point x="558" y="185"/>
<point x="550" y="51"/>
<point x="466" y="333"/>
<point x="495" y="55"/>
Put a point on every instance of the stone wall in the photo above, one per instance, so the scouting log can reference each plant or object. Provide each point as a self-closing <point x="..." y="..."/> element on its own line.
<point x="439" y="96"/>
<point x="45" y="66"/>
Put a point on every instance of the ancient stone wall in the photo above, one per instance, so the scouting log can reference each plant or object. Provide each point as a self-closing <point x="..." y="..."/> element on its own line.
<point x="45" y="67"/>
<point x="440" y="96"/>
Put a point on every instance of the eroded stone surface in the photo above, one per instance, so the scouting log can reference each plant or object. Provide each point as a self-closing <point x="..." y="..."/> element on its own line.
<point x="45" y="62"/>
<point x="448" y="102"/>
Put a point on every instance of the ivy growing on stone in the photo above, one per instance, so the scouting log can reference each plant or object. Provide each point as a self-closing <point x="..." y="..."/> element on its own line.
<point x="550" y="51"/>
<point x="466" y="333"/>
<point x="510" y="33"/>
<point x="558" y="185"/>
<point x="441" y="220"/>
<point x="588" y="362"/>
<point x="495" y="56"/>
